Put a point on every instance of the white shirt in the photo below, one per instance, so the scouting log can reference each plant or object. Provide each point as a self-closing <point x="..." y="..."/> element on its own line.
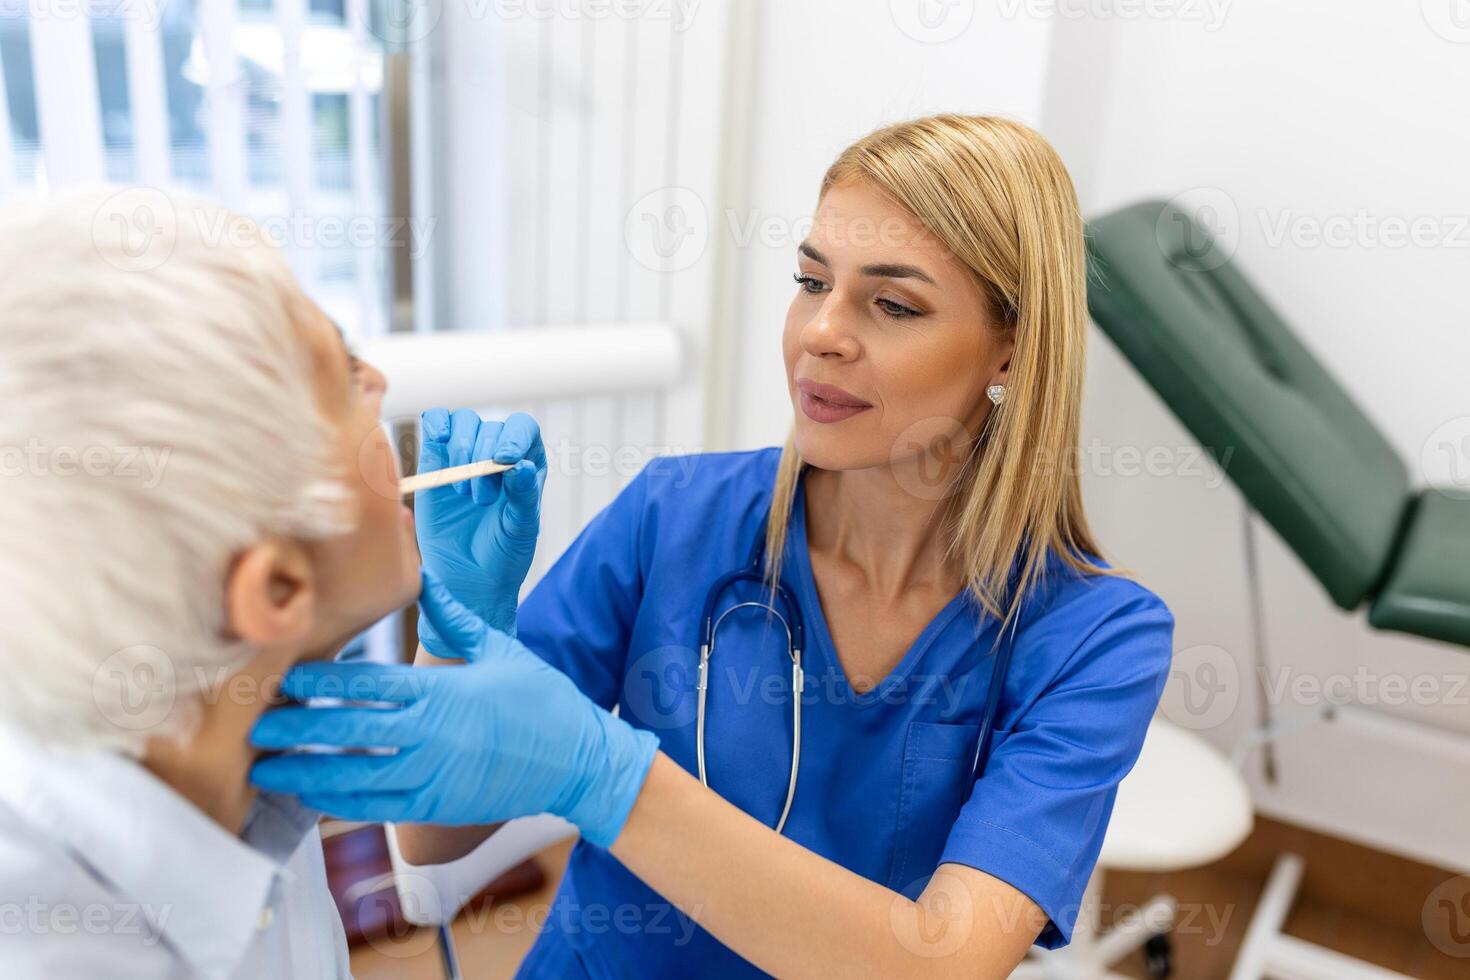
<point x="107" y="871"/>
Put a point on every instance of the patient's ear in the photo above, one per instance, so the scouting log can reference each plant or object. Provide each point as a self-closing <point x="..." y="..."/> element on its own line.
<point x="1007" y="349"/>
<point x="270" y="595"/>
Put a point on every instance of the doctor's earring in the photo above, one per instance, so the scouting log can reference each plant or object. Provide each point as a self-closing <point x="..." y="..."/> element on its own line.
<point x="996" y="393"/>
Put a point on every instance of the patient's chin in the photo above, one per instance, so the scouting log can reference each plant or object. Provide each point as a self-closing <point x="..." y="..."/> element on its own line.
<point x="412" y="582"/>
<point x="404" y="591"/>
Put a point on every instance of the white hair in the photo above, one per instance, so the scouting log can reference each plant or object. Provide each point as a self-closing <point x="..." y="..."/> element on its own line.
<point x="159" y="416"/>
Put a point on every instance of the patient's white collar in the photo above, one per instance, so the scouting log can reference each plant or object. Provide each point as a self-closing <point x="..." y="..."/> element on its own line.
<point x="199" y="887"/>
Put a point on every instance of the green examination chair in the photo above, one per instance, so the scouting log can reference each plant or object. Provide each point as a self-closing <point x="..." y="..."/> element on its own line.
<point x="1302" y="453"/>
<point x="1306" y="459"/>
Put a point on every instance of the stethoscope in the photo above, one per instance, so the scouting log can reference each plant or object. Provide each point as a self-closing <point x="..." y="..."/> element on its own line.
<point x="791" y="623"/>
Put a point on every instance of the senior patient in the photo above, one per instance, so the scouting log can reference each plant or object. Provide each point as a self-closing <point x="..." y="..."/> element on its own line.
<point x="195" y="494"/>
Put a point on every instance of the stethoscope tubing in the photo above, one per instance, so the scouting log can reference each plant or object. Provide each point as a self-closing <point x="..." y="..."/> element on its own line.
<point x="795" y="638"/>
<point x="798" y="684"/>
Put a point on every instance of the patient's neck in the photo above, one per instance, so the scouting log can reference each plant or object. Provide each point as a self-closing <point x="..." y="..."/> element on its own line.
<point x="211" y="768"/>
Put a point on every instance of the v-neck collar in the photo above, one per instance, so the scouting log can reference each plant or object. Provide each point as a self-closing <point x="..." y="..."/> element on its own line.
<point x="815" y="617"/>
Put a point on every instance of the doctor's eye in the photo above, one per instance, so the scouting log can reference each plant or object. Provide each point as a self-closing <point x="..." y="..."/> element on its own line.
<point x="896" y="310"/>
<point x="809" y="284"/>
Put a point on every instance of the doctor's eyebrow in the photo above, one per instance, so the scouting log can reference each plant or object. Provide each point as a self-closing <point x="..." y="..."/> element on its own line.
<point x="810" y="251"/>
<point x="896" y="270"/>
<point x="880" y="270"/>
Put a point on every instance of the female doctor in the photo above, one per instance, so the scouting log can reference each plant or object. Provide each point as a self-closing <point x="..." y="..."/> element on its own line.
<point x="922" y="683"/>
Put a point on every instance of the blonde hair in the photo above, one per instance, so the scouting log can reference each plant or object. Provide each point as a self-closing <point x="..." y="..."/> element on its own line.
<point x="161" y="415"/>
<point x="997" y="195"/>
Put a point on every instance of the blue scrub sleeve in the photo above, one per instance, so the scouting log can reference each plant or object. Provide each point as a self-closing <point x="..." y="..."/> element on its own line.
<point x="579" y="617"/>
<point x="1036" y="819"/>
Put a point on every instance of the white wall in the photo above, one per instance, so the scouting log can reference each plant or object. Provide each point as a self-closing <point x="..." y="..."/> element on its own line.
<point x="1299" y="116"/>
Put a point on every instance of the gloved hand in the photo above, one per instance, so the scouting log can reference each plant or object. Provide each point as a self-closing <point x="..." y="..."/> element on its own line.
<point x="479" y="536"/>
<point x="504" y="735"/>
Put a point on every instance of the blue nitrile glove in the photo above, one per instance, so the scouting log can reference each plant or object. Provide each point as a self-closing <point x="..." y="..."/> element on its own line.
<point x="504" y="735"/>
<point x="479" y="536"/>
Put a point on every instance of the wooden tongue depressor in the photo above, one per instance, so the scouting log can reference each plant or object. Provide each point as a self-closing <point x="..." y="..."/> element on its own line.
<point x="439" y="478"/>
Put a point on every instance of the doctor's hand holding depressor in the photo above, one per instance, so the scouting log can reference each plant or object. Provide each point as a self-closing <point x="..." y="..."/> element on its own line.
<point x="478" y="536"/>
<point x="503" y="735"/>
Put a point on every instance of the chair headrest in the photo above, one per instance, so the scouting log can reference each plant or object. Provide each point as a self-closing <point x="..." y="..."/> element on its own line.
<point x="1302" y="452"/>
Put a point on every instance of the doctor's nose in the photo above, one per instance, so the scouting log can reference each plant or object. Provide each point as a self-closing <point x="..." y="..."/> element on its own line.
<point x="827" y="336"/>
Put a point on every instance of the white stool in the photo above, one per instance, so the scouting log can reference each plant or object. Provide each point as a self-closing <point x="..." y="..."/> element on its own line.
<point x="1182" y="806"/>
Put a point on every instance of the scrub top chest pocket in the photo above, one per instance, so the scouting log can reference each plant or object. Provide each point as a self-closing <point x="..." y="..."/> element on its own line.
<point x="938" y="760"/>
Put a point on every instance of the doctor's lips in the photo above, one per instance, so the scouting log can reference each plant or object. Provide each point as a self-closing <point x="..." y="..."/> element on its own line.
<point x="828" y="403"/>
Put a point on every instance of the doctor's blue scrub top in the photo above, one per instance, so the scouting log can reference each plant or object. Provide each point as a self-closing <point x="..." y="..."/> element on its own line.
<point x="883" y="773"/>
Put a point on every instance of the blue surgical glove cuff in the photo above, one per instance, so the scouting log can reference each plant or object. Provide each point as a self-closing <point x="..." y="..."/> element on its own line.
<point x="600" y="805"/>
